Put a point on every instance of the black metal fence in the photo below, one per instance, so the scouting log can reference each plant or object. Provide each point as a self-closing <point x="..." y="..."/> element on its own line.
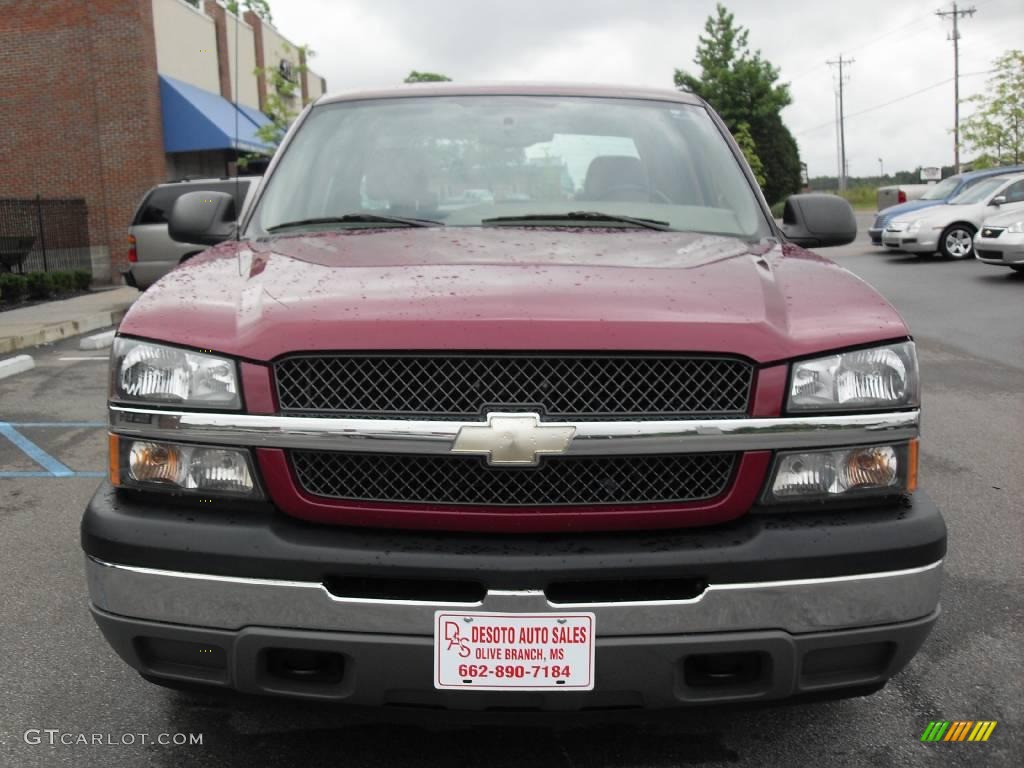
<point x="38" y="235"/>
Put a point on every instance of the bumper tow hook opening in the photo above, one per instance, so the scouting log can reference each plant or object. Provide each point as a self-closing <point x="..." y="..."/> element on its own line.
<point x="719" y="670"/>
<point x="302" y="666"/>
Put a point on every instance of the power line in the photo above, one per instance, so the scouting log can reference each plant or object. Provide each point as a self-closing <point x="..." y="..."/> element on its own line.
<point x="898" y="99"/>
<point x="874" y="39"/>
<point x="955" y="14"/>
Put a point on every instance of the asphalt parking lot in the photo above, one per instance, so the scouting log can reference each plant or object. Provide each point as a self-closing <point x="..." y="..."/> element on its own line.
<point x="59" y="674"/>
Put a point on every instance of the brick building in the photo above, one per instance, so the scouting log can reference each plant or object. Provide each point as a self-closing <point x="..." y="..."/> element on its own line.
<point x="102" y="99"/>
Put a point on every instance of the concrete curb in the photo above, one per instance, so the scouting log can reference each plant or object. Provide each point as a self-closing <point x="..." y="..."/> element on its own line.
<point x="13" y="365"/>
<point x="98" y="341"/>
<point x="63" y="330"/>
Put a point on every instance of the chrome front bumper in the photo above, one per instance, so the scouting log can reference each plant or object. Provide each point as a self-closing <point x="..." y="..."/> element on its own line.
<point x="795" y="606"/>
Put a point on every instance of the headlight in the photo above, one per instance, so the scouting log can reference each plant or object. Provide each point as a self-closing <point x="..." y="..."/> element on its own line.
<point x="1017" y="227"/>
<point x="915" y="226"/>
<point x="194" y="469"/>
<point x="821" y="475"/>
<point x="142" y="372"/>
<point x="865" y="379"/>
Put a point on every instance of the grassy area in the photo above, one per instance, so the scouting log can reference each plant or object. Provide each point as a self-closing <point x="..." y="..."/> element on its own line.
<point x="862" y="198"/>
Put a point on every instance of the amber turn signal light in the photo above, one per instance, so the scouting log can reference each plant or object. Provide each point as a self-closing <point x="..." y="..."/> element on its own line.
<point x="114" y="459"/>
<point x="912" y="447"/>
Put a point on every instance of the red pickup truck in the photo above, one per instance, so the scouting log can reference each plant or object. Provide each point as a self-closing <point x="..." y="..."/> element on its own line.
<point x="604" y="436"/>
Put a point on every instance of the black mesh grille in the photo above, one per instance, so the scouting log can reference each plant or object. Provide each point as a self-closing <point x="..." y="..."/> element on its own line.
<point x="466" y="386"/>
<point x="579" y="480"/>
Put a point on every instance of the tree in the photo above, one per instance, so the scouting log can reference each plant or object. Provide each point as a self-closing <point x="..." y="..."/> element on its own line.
<point x="260" y="7"/>
<point x="281" y="103"/>
<point x="749" y="150"/>
<point x="996" y="129"/>
<point x="427" y="77"/>
<point x="742" y="87"/>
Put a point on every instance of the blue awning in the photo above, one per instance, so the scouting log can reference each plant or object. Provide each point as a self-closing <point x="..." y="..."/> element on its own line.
<point x="196" y="120"/>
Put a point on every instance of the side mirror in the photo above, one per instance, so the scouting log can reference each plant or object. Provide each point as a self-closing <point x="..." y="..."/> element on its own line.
<point x="815" y="220"/>
<point x="206" y="218"/>
<point x="998" y="200"/>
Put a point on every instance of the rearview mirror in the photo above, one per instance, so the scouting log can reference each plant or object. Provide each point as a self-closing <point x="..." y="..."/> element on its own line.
<point x="206" y="218"/>
<point x="998" y="200"/>
<point x="816" y="220"/>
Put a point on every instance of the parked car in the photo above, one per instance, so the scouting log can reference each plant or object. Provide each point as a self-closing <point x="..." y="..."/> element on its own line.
<point x="938" y="194"/>
<point x="151" y="251"/>
<point x="1000" y="241"/>
<point x="895" y="194"/>
<point x="630" y="447"/>
<point x="950" y="228"/>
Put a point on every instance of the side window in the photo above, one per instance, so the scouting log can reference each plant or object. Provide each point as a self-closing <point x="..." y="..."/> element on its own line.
<point x="157" y="206"/>
<point x="1015" y="193"/>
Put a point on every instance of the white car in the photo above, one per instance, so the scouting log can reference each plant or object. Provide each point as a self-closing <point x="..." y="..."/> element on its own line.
<point x="1000" y="241"/>
<point x="950" y="228"/>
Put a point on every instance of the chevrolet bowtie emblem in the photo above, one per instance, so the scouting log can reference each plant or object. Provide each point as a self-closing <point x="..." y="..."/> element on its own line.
<point x="513" y="438"/>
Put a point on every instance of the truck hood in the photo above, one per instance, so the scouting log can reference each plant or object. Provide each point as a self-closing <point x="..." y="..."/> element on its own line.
<point x="508" y="289"/>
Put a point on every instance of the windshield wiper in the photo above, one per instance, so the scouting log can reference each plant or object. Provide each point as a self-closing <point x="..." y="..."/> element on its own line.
<point x="595" y="216"/>
<point x="357" y="218"/>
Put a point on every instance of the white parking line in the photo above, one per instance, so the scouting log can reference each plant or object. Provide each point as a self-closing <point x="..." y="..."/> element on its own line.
<point x="104" y="358"/>
<point x="16" y="364"/>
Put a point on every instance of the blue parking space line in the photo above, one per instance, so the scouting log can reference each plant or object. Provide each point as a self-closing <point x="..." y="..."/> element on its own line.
<point x="34" y="452"/>
<point x="46" y="424"/>
<point x="14" y="474"/>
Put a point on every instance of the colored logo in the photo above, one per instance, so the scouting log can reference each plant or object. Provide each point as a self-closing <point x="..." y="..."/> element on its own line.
<point x="958" y="730"/>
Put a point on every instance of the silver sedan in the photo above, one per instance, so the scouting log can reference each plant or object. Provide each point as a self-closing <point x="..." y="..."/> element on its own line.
<point x="1000" y="241"/>
<point x="950" y="228"/>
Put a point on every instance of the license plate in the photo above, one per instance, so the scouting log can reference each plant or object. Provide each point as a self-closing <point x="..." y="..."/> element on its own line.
<point x="499" y="651"/>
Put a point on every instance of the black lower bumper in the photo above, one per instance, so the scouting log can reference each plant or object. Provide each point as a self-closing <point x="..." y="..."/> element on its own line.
<point x="766" y="607"/>
<point x="256" y="541"/>
<point x="630" y="672"/>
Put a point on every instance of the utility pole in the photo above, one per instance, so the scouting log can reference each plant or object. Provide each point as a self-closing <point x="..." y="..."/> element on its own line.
<point x="881" y="168"/>
<point x="842" y="126"/>
<point x="955" y="14"/>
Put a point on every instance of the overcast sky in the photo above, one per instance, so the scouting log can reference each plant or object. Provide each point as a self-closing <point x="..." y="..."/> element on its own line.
<point x="900" y="47"/>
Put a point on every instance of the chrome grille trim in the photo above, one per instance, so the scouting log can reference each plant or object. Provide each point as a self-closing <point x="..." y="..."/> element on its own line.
<point x="592" y="438"/>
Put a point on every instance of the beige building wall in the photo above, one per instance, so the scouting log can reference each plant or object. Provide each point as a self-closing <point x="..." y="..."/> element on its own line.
<point x="313" y="81"/>
<point x="275" y="48"/>
<point x="186" y="44"/>
<point x="246" y="80"/>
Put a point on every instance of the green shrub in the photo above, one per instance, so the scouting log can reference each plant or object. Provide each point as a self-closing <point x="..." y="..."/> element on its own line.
<point x="64" y="282"/>
<point x="83" y="279"/>
<point x="13" y="287"/>
<point x="40" y="285"/>
<point x="778" y="208"/>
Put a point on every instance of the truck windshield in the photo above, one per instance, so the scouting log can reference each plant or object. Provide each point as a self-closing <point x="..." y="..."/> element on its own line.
<point x="943" y="189"/>
<point x="462" y="160"/>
